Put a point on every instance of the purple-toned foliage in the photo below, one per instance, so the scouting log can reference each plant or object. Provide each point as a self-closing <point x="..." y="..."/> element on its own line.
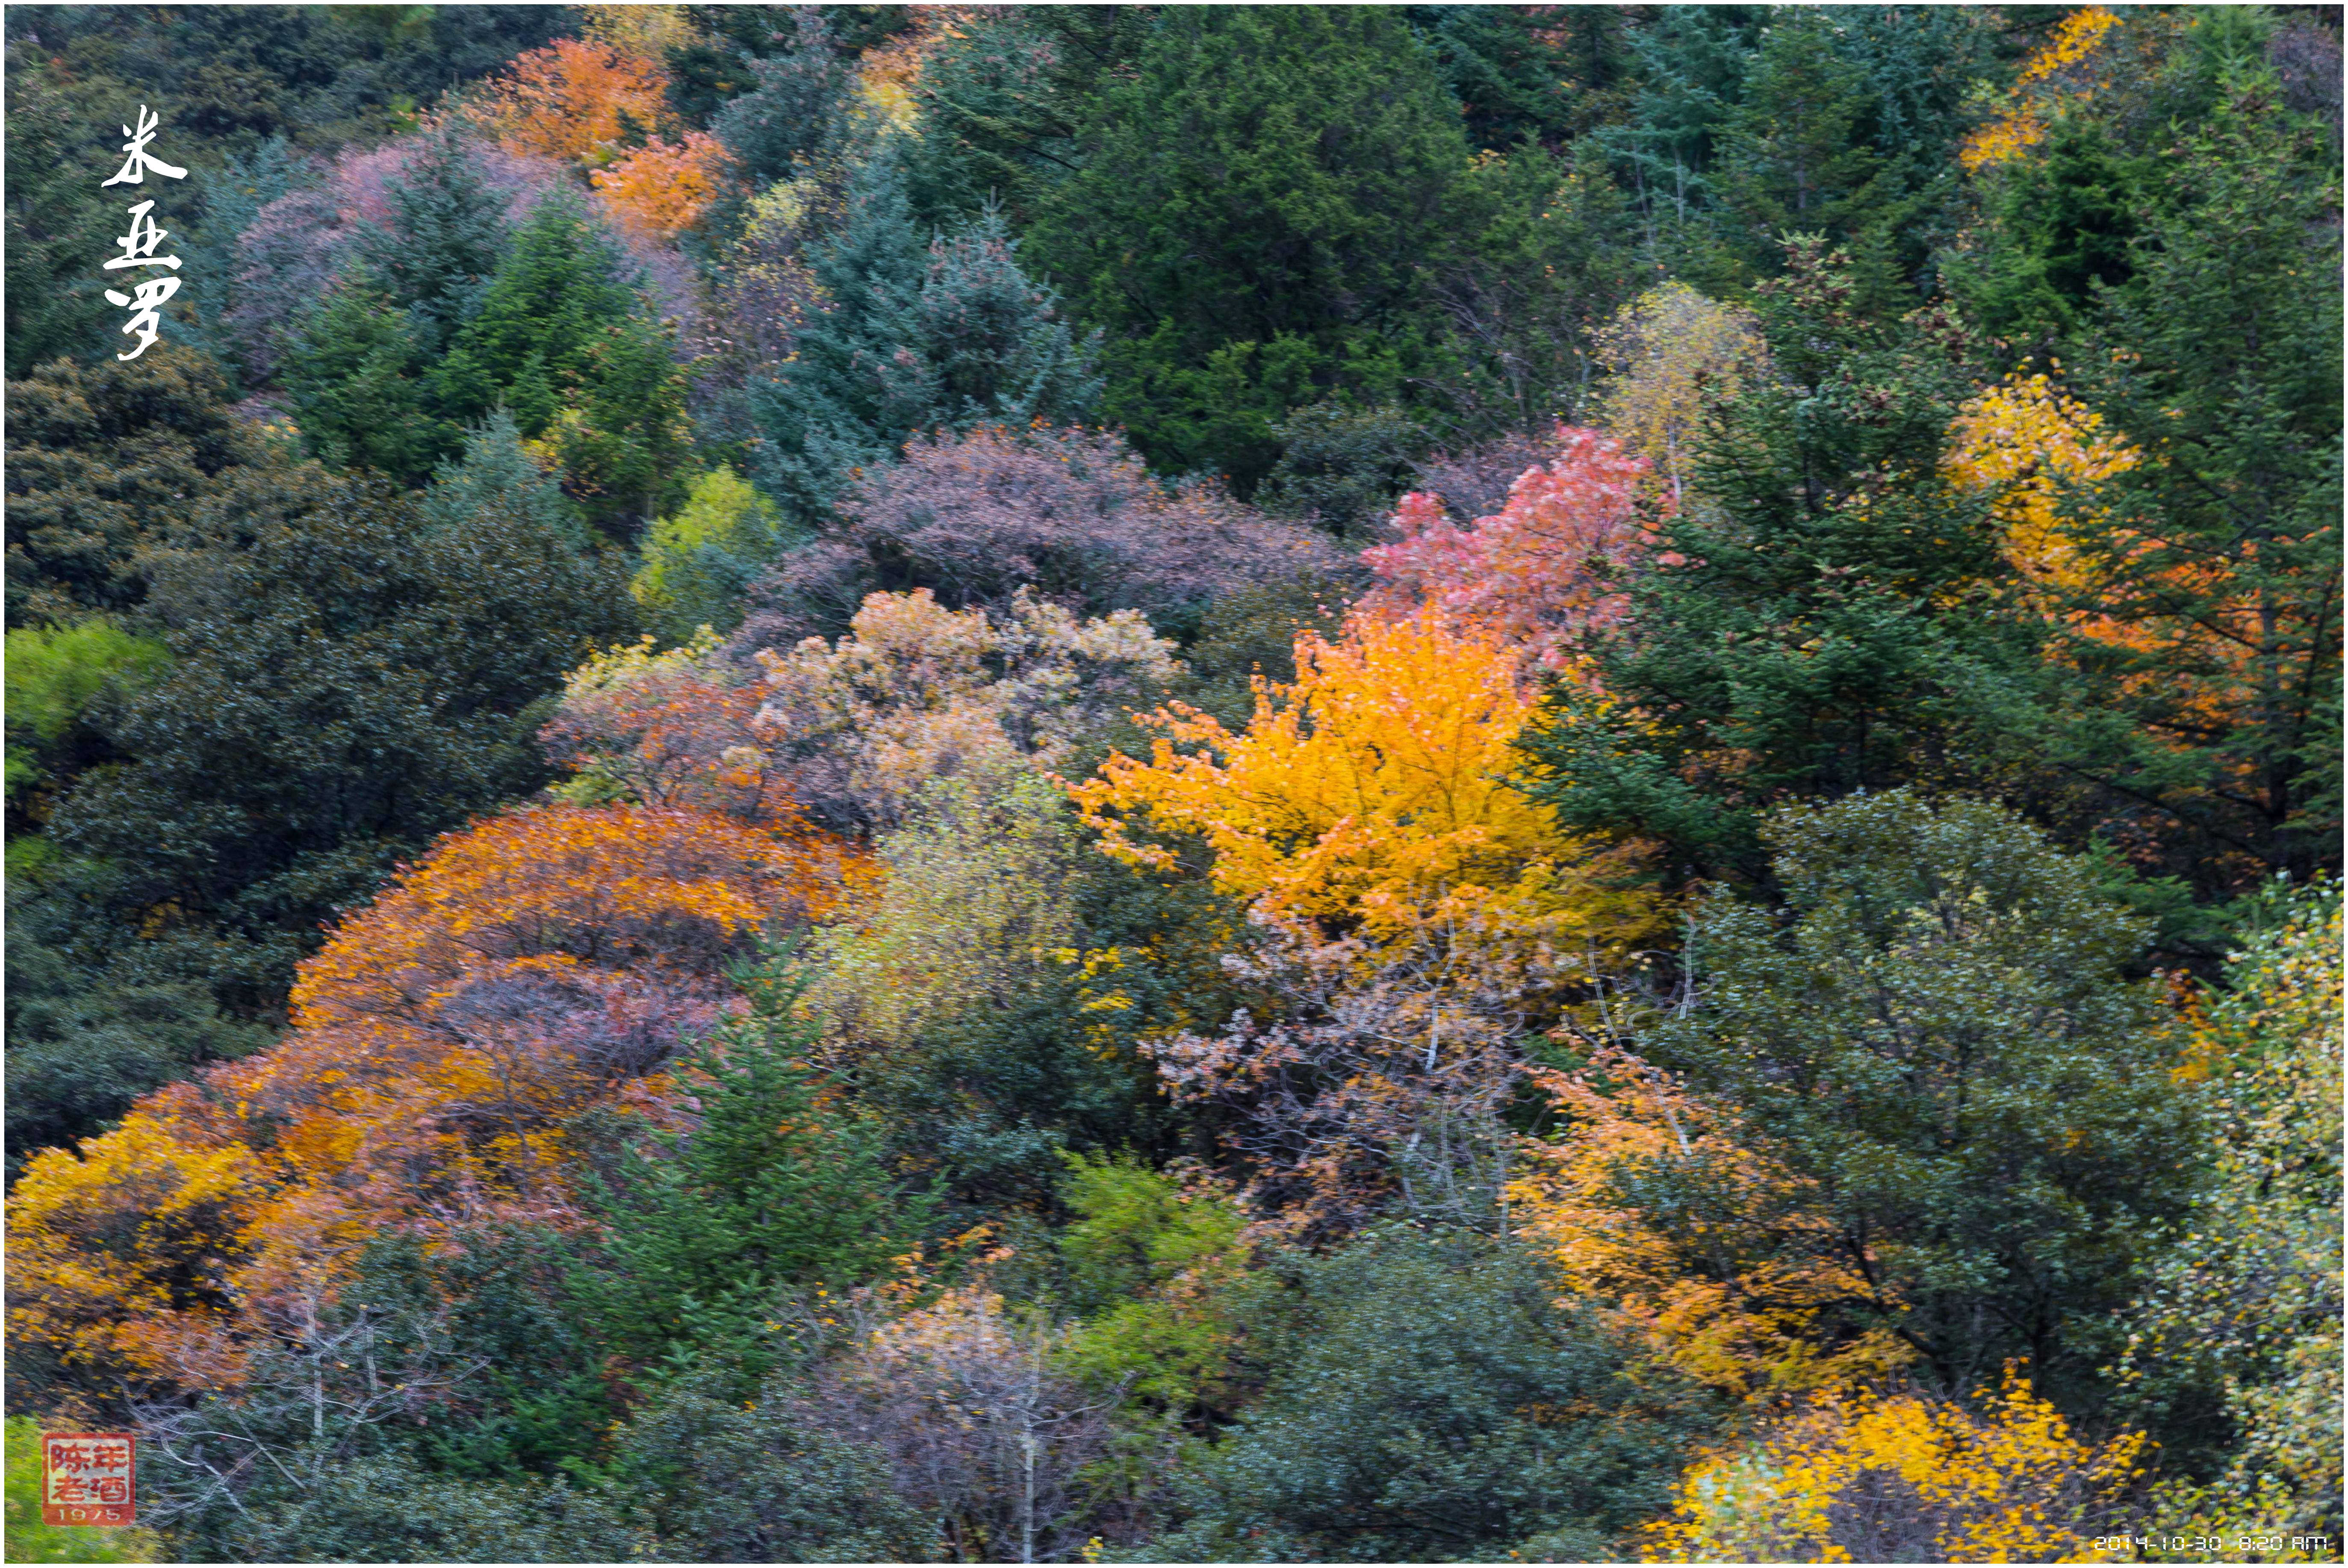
<point x="604" y="1026"/>
<point x="1476" y="482"/>
<point x="1071" y="515"/>
<point x="296" y="246"/>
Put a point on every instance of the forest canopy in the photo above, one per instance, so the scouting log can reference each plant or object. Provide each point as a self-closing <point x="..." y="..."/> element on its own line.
<point x="1145" y="783"/>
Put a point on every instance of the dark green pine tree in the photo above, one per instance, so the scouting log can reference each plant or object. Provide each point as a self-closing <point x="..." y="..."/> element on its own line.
<point x="832" y="407"/>
<point x="1004" y="102"/>
<point x="1689" y="65"/>
<point x="1798" y="155"/>
<point x="1815" y="621"/>
<point x="1255" y="222"/>
<point x="794" y="108"/>
<point x="559" y="292"/>
<point x="945" y="339"/>
<point x="358" y="382"/>
<point x="774" y="1187"/>
<point x="437" y="259"/>
<point x="2220" y="356"/>
<point x="993" y="337"/>
<point x="565" y="344"/>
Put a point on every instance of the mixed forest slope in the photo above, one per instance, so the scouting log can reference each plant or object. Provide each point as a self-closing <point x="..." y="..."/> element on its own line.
<point x="1131" y="783"/>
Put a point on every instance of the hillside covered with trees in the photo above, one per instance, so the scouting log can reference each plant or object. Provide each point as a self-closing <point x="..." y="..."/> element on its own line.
<point x="1149" y="783"/>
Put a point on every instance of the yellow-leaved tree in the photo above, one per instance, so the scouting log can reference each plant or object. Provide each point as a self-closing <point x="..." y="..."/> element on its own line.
<point x="2037" y="449"/>
<point x="1661" y="1202"/>
<point x="1420" y="914"/>
<point x="1897" y="1478"/>
<point x="1674" y="354"/>
<point x="1371" y="797"/>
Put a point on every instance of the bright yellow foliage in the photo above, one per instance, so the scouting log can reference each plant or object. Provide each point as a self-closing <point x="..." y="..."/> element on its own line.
<point x="1372" y="796"/>
<point x="1674" y="354"/>
<point x="2040" y="89"/>
<point x="1727" y="1283"/>
<point x="1856" y="1476"/>
<point x="115" y="1258"/>
<point x="2034" y="445"/>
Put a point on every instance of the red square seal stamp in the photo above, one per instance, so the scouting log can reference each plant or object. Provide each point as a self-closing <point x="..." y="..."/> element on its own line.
<point x="86" y="1478"/>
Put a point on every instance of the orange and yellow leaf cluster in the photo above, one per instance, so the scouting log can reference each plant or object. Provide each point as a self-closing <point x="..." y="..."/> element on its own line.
<point x="663" y="189"/>
<point x="2041" y="91"/>
<point x="1860" y="1477"/>
<point x="576" y="100"/>
<point x="1372" y="796"/>
<point x="1729" y="1279"/>
<point x="533" y="965"/>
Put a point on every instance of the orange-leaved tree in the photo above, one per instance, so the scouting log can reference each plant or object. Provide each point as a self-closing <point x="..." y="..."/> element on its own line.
<point x="576" y="100"/>
<point x="1660" y="1203"/>
<point x="530" y="966"/>
<point x="663" y="188"/>
<point x="1551" y="562"/>
<point x="672" y="729"/>
<point x="1862" y="1476"/>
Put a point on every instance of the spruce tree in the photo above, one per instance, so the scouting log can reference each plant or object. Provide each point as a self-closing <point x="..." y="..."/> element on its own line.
<point x="1000" y="353"/>
<point x="357" y="379"/>
<point x="494" y="472"/>
<point x="1811" y="625"/>
<point x="558" y="292"/>
<point x="2219" y="358"/>
<point x="828" y="411"/>
<point x="792" y="111"/>
<point x="774" y="1187"/>
<point x="914" y="339"/>
<point x="436" y="261"/>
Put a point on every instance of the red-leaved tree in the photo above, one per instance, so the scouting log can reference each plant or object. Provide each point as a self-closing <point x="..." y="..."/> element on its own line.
<point x="1551" y="562"/>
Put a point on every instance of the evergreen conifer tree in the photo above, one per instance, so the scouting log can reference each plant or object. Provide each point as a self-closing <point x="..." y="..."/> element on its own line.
<point x="558" y="294"/>
<point x="437" y="259"/>
<point x="772" y="1189"/>
<point x="1787" y="641"/>
<point x="494" y="472"/>
<point x="359" y="385"/>
<point x="914" y="340"/>
<point x="1259" y="205"/>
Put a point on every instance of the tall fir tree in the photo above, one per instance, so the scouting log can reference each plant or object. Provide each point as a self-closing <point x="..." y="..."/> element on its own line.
<point x="437" y="258"/>
<point x="495" y="471"/>
<point x="1794" y="636"/>
<point x="913" y="339"/>
<point x="2220" y="356"/>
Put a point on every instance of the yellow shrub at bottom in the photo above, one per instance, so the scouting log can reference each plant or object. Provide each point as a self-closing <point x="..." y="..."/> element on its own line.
<point x="1860" y="1478"/>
